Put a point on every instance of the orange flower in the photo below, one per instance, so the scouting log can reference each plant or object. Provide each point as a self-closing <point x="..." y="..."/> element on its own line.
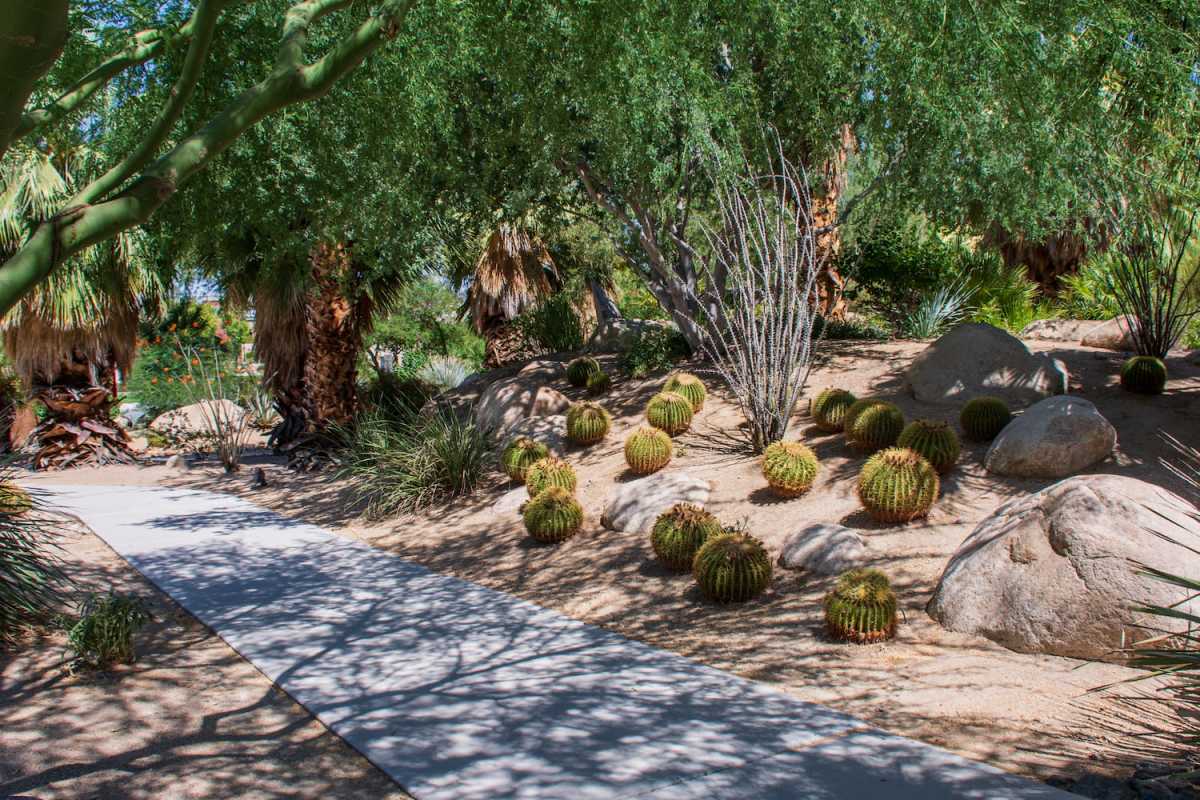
<point x="195" y="362"/>
<point x="196" y="324"/>
<point x="171" y="328"/>
<point x="170" y="379"/>
<point x="158" y="340"/>
<point x="154" y="380"/>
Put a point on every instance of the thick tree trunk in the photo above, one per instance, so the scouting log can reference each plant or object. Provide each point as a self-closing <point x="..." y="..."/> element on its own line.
<point x="335" y="321"/>
<point x="1046" y="260"/>
<point x="826" y="197"/>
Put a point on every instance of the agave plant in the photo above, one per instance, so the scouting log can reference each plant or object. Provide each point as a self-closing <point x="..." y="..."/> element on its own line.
<point x="939" y="311"/>
<point x="444" y="372"/>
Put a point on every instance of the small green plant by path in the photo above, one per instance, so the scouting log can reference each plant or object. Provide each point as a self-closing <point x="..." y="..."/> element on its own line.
<point x="104" y="634"/>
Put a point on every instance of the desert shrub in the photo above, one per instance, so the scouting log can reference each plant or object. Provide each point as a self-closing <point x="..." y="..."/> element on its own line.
<point x="873" y="425"/>
<point x="634" y="300"/>
<point x="553" y="515"/>
<point x="582" y="368"/>
<point x="393" y="395"/>
<point x="828" y="409"/>
<point x="423" y="324"/>
<point x="598" y="383"/>
<point x="790" y="468"/>
<point x="854" y="326"/>
<point x="647" y="450"/>
<point x="934" y="440"/>
<point x="680" y="532"/>
<point x="107" y="625"/>
<point x="32" y="582"/>
<point x="1002" y="296"/>
<point x="654" y="349"/>
<point x="687" y="385"/>
<point x="1144" y="375"/>
<point x="587" y="423"/>
<point x="260" y="407"/>
<point x="892" y="267"/>
<point x="861" y="607"/>
<point x="1086" y="294"/>
<point x="669" y="412"/>
<point x="982" y="418"/>
<point x="732" y="568"/>
<point x="897" y="485"/>
<point x="553" y="326"/>
<point x="547" y="472"/>
<point x="399" y="466"/>
<point x="443" y="372"/>
<point x="521" y="454"/>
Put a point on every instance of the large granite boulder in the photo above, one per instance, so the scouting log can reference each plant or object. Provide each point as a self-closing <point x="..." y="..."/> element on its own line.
<point x="1057" y="330"/>
<point x="618" y="335"/>
<point x="508" y="401"/>
<point x="197" y="418"/>
<point x="975" y="359"/>
<point x="1111" y="335"/>
<point x="549" y="430"/>
<point x="1052" y="439"/>
<point x="823" y="549"/>
<point x="1054" y="572"/>
<point x="634" y="506"/>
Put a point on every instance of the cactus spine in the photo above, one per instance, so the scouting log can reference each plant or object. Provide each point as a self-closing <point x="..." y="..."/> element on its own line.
<point x="861" y="607"/>
<point x="647" y="450"/>
<point x="547" y="472"/>
<point x="679" y="533"/>
<point x="732" y="567"/>
<point x="1144" y="375"/>
<point x="873" y="425"/>
<point x="669" y="412"/>
<point x="936" y="441"/>
<point x="553" y="516"/>
<point x="790" y="468"/>
<point x="829" y="409"/>
<point x="897" y="485"/>
<point x="982" y="418"/>
<point x="587" y="423"/>
<point x="687" y="385"/>
<point x="580" y="369"/>
<point x="520" y="454"/>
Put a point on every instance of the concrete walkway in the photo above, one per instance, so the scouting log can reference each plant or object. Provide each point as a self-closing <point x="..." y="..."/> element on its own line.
<point x="464" y="693"/>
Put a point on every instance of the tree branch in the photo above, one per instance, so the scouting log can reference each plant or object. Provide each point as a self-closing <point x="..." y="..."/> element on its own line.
<point x="32" y="37"/>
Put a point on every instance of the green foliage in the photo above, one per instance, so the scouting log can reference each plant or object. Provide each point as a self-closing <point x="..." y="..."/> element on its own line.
<point x="582" y="368"/>
<point x="647" y="450"/>
<point x="520" y="454"/>
<point x="854" y="327"/>
<point x="393" y="395"/>
<point x="396" y="466"/>
<point x="553" y="326"/>
<point x="587" y="423"/>
<point x="1144" y="375"/>
<point x="598" y="383"/>
<point x="107" y="625"/>
<point x="655" y="349"/>
<point x="669" y="412"/>
<point x="897" y="485"/>
<point x="547" y="472"/>
<point x="1087" y="293"/>
<point x="680" y="532"/>
<point x="732" y="568"/>
<point x="873" y="424"/>
<point x="31" y="578"/>
<point x="1003" y="296"/>
<point x="982" y="418"/>
<point x="934" y="440"/>
<point x="687" y="385"/>
<point x="553" y="515"/>
<point x="634" y="300"/>
<point x="423" y="324"/>
<point x="893" y="267"/>
<point x="790" y="468"/>
<point x="828" y="409"/>
<point x="861" y="608"/>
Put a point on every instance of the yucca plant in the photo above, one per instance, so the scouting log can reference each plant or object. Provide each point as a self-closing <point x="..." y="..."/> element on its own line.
<point x="32" y="583"/>
<point x="939" y="311"/>
<point x="107" y="625"/>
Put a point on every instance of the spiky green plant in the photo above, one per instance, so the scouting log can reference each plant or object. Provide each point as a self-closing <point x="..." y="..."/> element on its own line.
<point x="587" y="423"/>
<point x="790" y="468"/>
<point x="680" y="532"/>
<point x="669" y="412"/>
<point x="1144" y="375"/>
<point x="32" y="583"/>
<point x="13" y="499"/>
<point x="103" y="636"/>
<point x="582" y="368"/>
<point x="689" y="386"/>
<point x="732" y="567"/>
<point x="520" y="454"/>
<point x="874" y="426"/>
<point x="856" y="408"/>
<point x="861" y="607"/>
<point x="647" y="450"/>
<point x="547" y="472"/>
<point x="598" y="383"/>
<point x="935" y="440"/>
<point x="829" y="409"/>
<point x="553" y="516"/>
<point x="897" y="485"/>
<point x="982" y="418"/>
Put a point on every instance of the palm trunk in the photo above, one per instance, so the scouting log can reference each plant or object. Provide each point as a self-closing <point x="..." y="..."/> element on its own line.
<point x="334" y="323"/>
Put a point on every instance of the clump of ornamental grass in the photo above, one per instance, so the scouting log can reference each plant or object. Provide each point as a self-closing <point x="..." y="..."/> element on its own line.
<point x="107" y="625"/>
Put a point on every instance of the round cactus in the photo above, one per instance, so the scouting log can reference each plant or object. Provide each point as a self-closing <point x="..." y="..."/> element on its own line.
<point x="1144" y="375"/>
<point x="861" y="607"/>
<point x="689" y="386"/>
<point x="647" y="450"/>
<point x="669" y="412"/>
<point x="829" y="409"/>
<point x="580" y="369"/>
<point x="936" y="441"/>
<point x="873" y="426"/>
<point x="982" y="418"/>
<point x="679" y="533"/>
<point x="547" y="472"/>
<point x="598" y="383"/>
<point x="587" y="423"/>
<point x="520" y="454"/>
<point x="790" y="468"/>
<point x="14" y="499"/>
<point x="897" y="485"/>
<point x="732" y="567"/>
<point x="553" y="516"/>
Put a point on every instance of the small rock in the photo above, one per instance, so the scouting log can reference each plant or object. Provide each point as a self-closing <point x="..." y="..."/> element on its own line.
<point x="260" y="479"/>
<point x="178" y="463"/>
<point x="1111" y="335"/>
<point x="510" y="502"/>
<point x="1053" y="439"/>
<point x="823" y="549"/>
<point x="1057" y="330"/>
<point x="634" y="506"/>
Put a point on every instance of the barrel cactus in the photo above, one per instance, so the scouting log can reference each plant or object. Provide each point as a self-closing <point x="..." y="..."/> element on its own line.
<point x="933" y="439"/>
<point x="548" y="472"/>
<point x="580" y="369"/>
<point x="647" y="450"/>
<point x="553" y="516"/>
<point x="982" y="418"/>
<point x="897" y="485"/>
<point x="829" y="409"/>
<point x="790" y="468"/>
<point x="861" y="607"/>
<point x="520" y="454"/>
<point x="874" y="425"/>
<point x="598" y="383"/>
<point x="1144" y="375"/>
<point x="732" y="567"/>
<point x="689" y="386"/>
<point x="587" y="423"/>
<point x="680" y="532"/>
<point x="14" y="499"/>
<point x="669" y="412"/>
